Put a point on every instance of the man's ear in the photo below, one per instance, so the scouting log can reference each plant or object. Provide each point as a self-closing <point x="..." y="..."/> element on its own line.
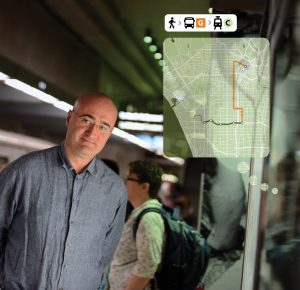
<point x="146" y="187"/>
<point x="68" y="118"/>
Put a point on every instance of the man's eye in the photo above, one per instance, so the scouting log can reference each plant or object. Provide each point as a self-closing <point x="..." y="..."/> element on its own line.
<point x="87" y="121"/>
<point x="105" y="127"/>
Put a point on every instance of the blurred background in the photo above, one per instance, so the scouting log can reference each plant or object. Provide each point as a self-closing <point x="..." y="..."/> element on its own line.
<point x="53" y="51"/>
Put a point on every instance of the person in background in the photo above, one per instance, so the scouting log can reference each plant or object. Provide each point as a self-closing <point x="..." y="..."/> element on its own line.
<point x="62" y="209"/>
<point x="136" y="260"/>
<point x="3" y="162"/>
<point x="113" y="165"/>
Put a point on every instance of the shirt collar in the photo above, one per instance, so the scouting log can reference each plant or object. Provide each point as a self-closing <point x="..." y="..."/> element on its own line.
<point x="92" y="168"/>
<point x="62" y="153"/>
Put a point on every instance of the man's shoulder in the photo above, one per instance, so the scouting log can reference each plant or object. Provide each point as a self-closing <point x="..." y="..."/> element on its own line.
<point x="35" y="156"/>
<point x="106" y="171"/>
<point x="30" y="163"/>
<point x="110" y="177"/>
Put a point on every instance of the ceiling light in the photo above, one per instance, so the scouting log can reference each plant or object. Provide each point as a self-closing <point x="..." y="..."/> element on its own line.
<point x="3" y="76"/>
<point x="63" y="106"/>
<point x="153" y="48"/>
<point x="29" y="142"/>
<point x="147" y="39"/>
<point x="131" y="138"/>
<point x="29" y="90"/>
<point x="141" y="117"/>
<point x="161" y="62"/>
<point x="20" y="86"/>
<point x="157" y="55"/>
<point x="42" y="85"/>
<point x="177" y="160"/>
<point x="135" y="126"/>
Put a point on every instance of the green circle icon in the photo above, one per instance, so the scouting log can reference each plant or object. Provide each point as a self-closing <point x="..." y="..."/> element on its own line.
<point x="228" y="22"/>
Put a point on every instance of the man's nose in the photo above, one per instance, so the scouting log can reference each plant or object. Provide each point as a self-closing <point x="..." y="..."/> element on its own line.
<point x="91" y="129"/>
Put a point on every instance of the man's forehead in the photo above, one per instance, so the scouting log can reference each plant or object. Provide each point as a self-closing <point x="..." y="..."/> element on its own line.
<point x="94" y="99"/>
<point x="97" y="105"/>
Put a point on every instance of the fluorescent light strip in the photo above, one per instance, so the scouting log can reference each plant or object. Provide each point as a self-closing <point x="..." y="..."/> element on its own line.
<point x="177" y="160"/>
<point x="36" y="93"/>
<point x="131" y="138"/>
<point x="29" y="90"/>
<point x="3" y="76"/>
<point x="28" y="142"/>
<point x="141" y="117"/>
<point x="63" y="106"/>
<point x="140" y="126"/>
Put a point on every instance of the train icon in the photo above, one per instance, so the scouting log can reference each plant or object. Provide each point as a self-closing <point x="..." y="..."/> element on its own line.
<point x="218" y="22"/>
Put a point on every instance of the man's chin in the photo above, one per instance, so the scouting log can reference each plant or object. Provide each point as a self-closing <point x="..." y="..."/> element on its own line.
<point x="89" y="148"/>
<point x="87" y="142"/>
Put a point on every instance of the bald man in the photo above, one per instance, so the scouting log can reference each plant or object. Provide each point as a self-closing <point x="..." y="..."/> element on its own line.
<point x="62" y="209"/>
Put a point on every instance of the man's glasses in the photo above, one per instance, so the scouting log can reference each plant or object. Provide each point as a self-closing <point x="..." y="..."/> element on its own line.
<point x="90" y="122"/>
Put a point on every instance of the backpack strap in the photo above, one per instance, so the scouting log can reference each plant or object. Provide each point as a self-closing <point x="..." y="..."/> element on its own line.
<point x="136" y="225"/>
<point x="140" y="216"/>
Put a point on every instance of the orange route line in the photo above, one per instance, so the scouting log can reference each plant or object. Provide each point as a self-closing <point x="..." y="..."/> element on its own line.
<point x="233" y="89"/>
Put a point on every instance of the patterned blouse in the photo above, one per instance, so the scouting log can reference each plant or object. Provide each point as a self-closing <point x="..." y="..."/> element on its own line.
<point x="142" y="256"/>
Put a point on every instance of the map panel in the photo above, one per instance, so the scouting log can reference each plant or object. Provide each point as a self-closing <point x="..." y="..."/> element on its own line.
<point x="218" y="90"/>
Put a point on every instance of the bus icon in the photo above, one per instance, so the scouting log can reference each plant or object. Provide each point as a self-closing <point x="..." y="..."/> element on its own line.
<point x="189" y="22"/>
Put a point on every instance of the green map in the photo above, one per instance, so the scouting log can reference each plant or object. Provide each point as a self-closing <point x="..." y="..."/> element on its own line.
<point x="216" y="97"/>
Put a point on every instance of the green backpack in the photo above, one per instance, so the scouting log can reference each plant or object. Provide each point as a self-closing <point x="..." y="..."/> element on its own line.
<point x="186" y="253"/>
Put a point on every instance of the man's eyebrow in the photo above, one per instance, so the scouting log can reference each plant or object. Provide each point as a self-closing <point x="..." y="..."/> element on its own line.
<point x="88" y="115"/>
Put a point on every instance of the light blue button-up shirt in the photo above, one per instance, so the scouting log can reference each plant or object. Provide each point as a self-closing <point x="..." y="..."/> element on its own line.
<point x="58" y="229"/>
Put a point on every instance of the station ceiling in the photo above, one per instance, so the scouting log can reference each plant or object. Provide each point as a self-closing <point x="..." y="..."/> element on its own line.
<point x="75" y="46"/>
<point x="114" y="31"/>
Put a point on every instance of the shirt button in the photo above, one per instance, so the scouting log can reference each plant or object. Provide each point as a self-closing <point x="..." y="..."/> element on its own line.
<point x="72" y="222"/>
<point x="61" y="289"/>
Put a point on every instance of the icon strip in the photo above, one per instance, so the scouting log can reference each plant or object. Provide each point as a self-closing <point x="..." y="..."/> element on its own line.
<point x="200" y="22"/>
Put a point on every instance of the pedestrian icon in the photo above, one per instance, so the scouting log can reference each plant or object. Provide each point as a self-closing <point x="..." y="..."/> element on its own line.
<point x="218" y="22"/>
<point x="172" y="21"/>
